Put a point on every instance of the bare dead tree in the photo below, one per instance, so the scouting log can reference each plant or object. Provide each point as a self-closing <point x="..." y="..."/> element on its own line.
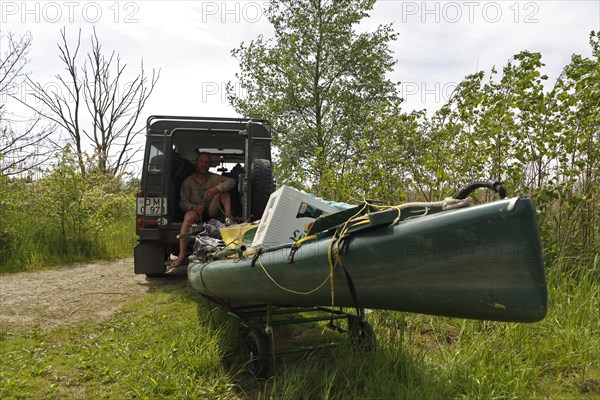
<point x="98" y="103"/>
<point x="114" y="116"/>
<point x="13" y="60"/>
<point x="23" y="142"/>
<point x="24" y="148"/>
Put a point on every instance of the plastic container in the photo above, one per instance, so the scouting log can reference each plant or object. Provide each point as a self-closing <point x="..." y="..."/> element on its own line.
<point x="288" y="216"/>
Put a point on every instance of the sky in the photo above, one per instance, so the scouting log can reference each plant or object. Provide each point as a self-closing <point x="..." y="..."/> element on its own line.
<point x="439" y="42"/>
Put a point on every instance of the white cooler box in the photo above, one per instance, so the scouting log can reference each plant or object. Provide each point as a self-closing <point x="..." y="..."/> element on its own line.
<point x="288" y="216"/>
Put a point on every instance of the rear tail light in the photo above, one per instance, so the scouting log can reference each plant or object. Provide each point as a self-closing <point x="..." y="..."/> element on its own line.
<point x="147" y="222"/>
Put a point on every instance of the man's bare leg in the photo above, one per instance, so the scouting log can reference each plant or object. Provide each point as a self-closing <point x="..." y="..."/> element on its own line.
<point x="221" y="202"/>
<point x="226" y="201"/>
<point x="229" y="219"/>
<point x="188" y="219"/>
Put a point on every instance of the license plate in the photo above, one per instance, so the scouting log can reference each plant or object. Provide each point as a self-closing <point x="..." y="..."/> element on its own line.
<point x="152" y="205"/>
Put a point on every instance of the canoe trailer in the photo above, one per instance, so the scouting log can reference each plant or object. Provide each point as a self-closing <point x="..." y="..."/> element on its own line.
<point x="258" y="320"/>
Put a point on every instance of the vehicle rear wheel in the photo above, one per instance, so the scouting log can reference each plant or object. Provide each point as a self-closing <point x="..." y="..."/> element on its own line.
<point x="255" y="353"/>
<point x="262" y="187"/>
<point x="361" y="333"/>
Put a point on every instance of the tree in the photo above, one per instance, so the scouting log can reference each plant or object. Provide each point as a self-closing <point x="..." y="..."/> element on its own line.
<point x="577" y="155"/>
<point x="112" y="103"/>
<point x="500" y="128"/>
<point x="22" y="144"/>
<point x="320" y="83"/>
<point x="383" y="167"/>
<point x="544" y="144"/>
<point x="13" y="60"/>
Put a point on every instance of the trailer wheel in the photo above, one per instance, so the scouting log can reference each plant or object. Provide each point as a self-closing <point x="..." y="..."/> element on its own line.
<point x="362" y="335"/>
<point x="262" y="187"/>
<point x="255" y="352"/>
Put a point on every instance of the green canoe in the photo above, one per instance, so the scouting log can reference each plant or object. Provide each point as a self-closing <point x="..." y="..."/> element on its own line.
<point x="481" y="262"/>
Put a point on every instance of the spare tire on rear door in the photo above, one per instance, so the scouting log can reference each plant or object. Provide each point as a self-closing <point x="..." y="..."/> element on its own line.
<point x="262" y="187"/>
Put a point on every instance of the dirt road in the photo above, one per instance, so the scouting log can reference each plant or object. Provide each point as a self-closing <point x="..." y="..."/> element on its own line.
<point x="67" y="295"/>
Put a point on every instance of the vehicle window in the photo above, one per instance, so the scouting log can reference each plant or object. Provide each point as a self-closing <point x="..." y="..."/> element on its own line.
<point x="156" y="158"/>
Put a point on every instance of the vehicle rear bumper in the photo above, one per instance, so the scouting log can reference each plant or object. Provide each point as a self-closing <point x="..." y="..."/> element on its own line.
<point x="166" y="235"/>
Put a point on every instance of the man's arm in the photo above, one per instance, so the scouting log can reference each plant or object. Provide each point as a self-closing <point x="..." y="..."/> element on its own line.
<point x="185" y="194"/>
<point x="225" y="184"/>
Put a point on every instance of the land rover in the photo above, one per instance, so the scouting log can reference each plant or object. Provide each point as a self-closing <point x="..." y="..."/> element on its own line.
<point x="240" y="148"/>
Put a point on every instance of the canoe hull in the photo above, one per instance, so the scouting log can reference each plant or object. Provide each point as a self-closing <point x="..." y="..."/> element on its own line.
<point x="481" y="262"/>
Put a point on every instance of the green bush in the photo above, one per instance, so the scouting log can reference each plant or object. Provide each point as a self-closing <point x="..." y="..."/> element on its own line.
<point x="65" y="217"/>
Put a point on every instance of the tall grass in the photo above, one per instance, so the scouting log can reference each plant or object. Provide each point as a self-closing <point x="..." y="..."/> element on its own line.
<point x="34" y="247"/>
<point x="504" y="360"/>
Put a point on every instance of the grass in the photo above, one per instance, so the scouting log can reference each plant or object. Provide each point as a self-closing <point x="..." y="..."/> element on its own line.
<point x="35" y="248"/>
<point x="160" y="351"/>
<point x="166" y="346"/>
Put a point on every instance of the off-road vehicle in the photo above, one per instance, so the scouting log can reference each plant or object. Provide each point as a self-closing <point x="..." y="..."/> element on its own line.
<point x="240" y="149"/>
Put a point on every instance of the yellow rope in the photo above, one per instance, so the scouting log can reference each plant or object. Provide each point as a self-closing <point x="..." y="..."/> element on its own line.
<point x="361" y="222"/>
<point x="335" y="247"/>
<point x="331" y="269"/>
<point x="284" y="288"/>
<point x="299" y="242"/>
<point x="399" y="215"/>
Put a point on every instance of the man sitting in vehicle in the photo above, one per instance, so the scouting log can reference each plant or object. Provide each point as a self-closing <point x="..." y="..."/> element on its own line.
<point x="204" y="195"/>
